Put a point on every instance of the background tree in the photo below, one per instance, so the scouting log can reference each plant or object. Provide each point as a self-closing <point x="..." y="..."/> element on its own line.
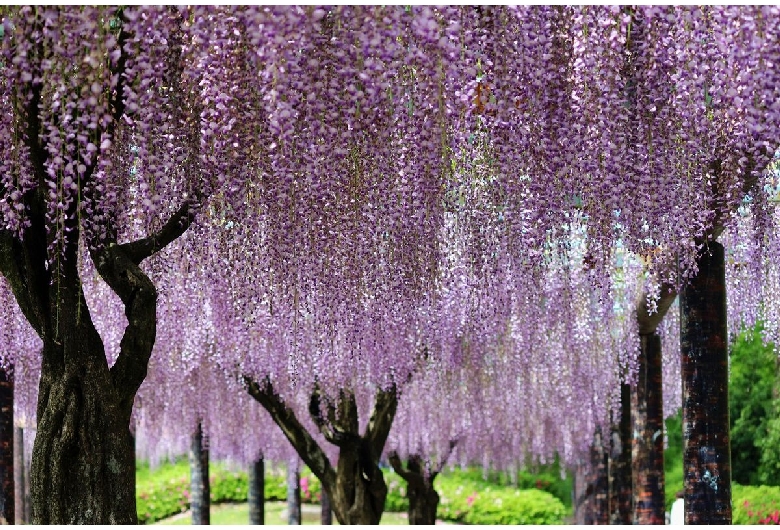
<point x="95" y="134"/>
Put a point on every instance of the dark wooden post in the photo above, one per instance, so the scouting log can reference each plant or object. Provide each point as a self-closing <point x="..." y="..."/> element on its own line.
<point x="648" y="450"/>
<point x="200" y="492"/>
<point x="600" y="462"/>
<point x="293" y="494"/>
<point x="582" y="495"/>
<point x="19" y="476"/>
<point x="6" y="447"/>
<point x="703" y="344"/>
<point x="256" y="497"/>
<point x="326" y="513"/>
<point x="620" y="490"/>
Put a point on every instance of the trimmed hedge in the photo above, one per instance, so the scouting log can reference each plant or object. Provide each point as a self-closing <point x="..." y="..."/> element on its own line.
<point x="465" y="497"/>
<point x="164" y="492"/>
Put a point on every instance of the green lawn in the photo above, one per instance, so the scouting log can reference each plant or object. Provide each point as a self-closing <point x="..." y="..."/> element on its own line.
<point x="275" y="514"/>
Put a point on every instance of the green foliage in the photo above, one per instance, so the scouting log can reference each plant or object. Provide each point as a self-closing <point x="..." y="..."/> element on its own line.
<point x="476" y="497"/>
<point x="752" y="378"/>
<point x="465" y="496"/>
<point x="474" y="502"/>
<point x="755" y="504"/>
<point x="673" y="459"/>
<point x="162" y="492"/>
<point x="165" y="490"/>
<point x="769" y="467"/>
<point x="546" y="478"/>
<point x="396" y="500"/>
<point x="227" y="486"/>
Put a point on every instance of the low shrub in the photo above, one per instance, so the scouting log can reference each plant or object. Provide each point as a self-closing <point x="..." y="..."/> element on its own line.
<point x="162" y="492"/>
<point x="755" y="504"/>
<point x="515" y="507"/>
<point x="396" y="500"/>
<point x="165" y="490"/>
<point x="475" y="502"/>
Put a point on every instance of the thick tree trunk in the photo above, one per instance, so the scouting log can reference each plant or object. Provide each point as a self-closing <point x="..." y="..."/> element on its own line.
<point x="20" y="477"/>
<point x="423" y="498"/>
<point x="293" y="494"/>
<point x="256" y="496"/>
<point x="423" y="503"/>
<point x="356" y="487"/>
<point x="620" y="489"/>
<point x="83" y="463"/>
<point x="326" y="512"/>
<point x="360" y="490"/>
<point x="200" y="491"/>
<point x="648" y="450"/>
<point x="7" y="503"/>
<point x="703" y="338"/>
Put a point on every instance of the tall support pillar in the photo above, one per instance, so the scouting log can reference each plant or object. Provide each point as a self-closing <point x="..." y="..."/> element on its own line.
<point x="200" y="492"/>
<point x="256" y="497"/>
<point x="293" y="494"/>
<point x="648" y="447"/>
<point x="6" y="447"/>
<point x="703" y="344"/>
<point x="620" y="480"/>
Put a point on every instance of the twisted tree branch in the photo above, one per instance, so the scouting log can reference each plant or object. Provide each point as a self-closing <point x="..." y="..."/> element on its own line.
<point x="180" y="221"/>
<point x="308" y="449"/>
<point x="381" y="420"/>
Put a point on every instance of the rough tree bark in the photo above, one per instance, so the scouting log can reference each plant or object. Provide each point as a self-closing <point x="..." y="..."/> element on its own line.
<point x="648" y="450"/>
<point x="356" y="487"/>
<point x="256" y="494"/>
<point x="703" y="338"/>
<point x="293" y="494"/>
<point x="200" y="490"/>
<point x="7" y="503"/>
<point x="620" y="490"/>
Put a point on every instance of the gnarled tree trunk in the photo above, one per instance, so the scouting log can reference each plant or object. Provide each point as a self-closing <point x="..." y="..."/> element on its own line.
<point x="356" y="487"/>
<point x="423" y="498"/>
<point x="83" y="462"/>
<point x="591" y="486"/>
<point x="600" y="462"/>
<point x="419" y="477"/>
